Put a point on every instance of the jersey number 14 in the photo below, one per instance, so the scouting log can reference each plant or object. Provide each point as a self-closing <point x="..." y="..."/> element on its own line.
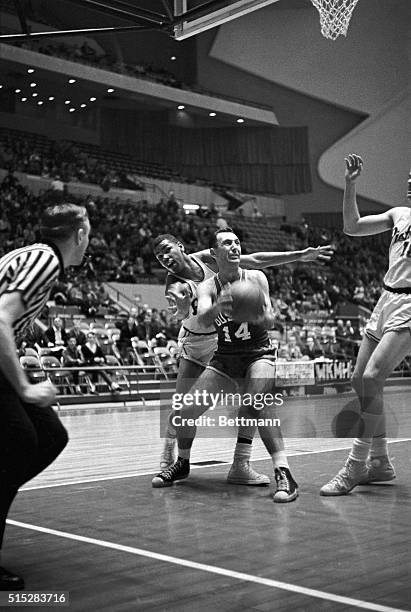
<point x="242" y="333"/>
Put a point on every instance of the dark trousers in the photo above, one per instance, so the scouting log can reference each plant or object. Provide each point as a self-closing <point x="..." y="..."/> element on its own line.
<point x="31" y="438"/>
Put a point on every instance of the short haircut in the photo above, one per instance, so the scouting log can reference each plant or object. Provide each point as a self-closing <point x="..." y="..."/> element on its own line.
<point x="61" y="221"/>
<point x="213" y="240"/>
<point x="157" y="241"/>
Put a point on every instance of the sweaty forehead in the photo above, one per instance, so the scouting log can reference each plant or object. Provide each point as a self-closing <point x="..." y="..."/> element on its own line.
<point x="164" y="244"/>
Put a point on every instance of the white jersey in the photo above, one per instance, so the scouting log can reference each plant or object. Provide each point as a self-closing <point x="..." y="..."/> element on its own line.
<point x="398" y="275"/>
<point x="191" y="323"/>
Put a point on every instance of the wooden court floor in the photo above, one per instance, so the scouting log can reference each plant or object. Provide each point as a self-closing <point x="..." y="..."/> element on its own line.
<point x="92" y="525"/>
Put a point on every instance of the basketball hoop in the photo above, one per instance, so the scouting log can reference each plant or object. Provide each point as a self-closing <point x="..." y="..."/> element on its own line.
<point x="335" y="16"/>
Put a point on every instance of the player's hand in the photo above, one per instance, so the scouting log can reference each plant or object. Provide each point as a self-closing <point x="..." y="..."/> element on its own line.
<point x="225" y="301"/>
<point x="42" y="394"/>
<point x="179" y="303"/>
<point x="353" y="167"/>
<point x="320" y="254"/>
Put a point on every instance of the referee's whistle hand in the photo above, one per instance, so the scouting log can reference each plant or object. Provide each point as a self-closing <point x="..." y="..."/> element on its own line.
<point x="41" y="394"/>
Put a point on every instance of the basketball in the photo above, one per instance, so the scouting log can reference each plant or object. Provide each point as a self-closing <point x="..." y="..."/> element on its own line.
<point x="248" y="301"/>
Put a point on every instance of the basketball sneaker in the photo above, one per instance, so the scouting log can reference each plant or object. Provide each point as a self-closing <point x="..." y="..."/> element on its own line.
<point x="178" y="471"/>
<point x="380" y="469"/>
<point x="352" y="474"/>
<point x="286" y="487"/>
<point x="167" y="456"/>
<point x="242" y="473"/>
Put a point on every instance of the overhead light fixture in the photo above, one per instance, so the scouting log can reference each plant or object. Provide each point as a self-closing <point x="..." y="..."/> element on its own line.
<point x="24" y="99"/>
<point x="71" y="110"/>
<point x="34" y="95"/>
<point x="40" y="102"/>
<point x="181" y="107"/>
<point x="212" y="114"/>
<point x="83" y="105"/>
<point x="72" y="81"/>
<point x="1" y="86"/>
<point x="30" y="70"/>
<point x="110" y="90"/>
<point x="17" y="91"/>
<point x="240" y="120"/>
<point x="173" y="58"/>
<point x="51" y="98"/>
<point x="67" y="101"/>
<point x="92" y="99"/>
<point x="33" y="84"/>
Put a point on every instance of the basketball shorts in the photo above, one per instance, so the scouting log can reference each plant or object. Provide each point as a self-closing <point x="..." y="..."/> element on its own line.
<point x="391" y="313"/>
<point x="198" y="348"/>
<point x="235" y="366"/>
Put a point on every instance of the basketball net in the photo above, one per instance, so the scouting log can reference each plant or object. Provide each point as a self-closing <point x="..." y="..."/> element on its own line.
<point x="335" y="16"/>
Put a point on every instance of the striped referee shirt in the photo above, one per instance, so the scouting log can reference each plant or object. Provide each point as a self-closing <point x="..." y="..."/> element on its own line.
<point x="32" y="271"/>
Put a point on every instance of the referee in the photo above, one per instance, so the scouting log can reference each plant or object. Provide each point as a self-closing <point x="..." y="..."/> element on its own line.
<point x="31" y="434"/>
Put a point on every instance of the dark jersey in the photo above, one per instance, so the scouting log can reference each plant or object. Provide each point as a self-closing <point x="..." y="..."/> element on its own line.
<point x="235" y="337"/>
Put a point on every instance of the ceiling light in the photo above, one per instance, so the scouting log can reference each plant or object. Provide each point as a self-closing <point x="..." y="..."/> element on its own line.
<point x="33" y="84"/>
<point x="93" y="99"/>
<point x="83" y="105"/>
<point x="24" y="99"/>
<point x="240" y="120"/>
<point x="17" y="91"/>
<point x="110" y="90"/>
<point x="181" y="107"/>
<point x="34" y="95"/>
<point x="212" y="114"/>
<point x="72" y="110"/>
<point x="51" y="98"/>
<point x="30" y="70"/>
<point x="72" y="81"/>
<point x="67" y="101"/>
<point x="40" y="102"/>
<point x="173" y="58"/>
<point x="1" y="86"/>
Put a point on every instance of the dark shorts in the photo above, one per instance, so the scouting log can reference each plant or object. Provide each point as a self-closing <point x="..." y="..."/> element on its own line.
<point x="235" y="366"/>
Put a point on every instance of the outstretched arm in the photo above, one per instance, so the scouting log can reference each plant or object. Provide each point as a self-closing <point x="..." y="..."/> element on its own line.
<point x="354" y="225"/>
<point x="265" y="259"/>
<point x="178" y="295"/>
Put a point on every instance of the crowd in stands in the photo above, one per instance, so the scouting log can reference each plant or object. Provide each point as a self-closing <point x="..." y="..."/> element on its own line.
<point x="120" y="250"/>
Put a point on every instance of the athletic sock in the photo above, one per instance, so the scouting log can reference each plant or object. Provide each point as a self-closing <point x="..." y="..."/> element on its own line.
<point x="242" y="451"/>
<point x="184" y="453"/>
<point x="279" y="459"/>
<point x="360" y="449"/>
<point x="379" y="446"/>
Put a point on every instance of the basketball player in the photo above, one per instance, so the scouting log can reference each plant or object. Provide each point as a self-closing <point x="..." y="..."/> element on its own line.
<point x="386" y="341"/>
<point x="243" y="352"/>
<point x="31" y="434"/>
<point x="198" y="342"/>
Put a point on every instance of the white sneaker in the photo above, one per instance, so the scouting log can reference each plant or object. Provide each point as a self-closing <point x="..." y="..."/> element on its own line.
<point x="352" y="474"/>
<point x="167" y="456"/>
<point x="242" y="473"/>
<point x="380" y="469"/>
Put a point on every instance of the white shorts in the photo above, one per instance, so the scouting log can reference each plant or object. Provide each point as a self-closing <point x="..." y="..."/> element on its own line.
<point x="198" y="348"/>
<point x="391" y="313"/>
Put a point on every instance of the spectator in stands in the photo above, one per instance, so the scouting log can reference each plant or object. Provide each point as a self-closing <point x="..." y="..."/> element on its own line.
<point x="312" y="350"/>
<point x="56" y="337"/>
<point x="72" y="358"/>
<point x="294" y="350"/>
<point x="77" y="333"/>
<point x="93" y="356"/>
<point x="128" y="330"/>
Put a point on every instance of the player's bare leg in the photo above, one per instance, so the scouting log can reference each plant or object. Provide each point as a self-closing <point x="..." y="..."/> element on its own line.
<point x="384" y="357"/>
<point x="259" y="381"/>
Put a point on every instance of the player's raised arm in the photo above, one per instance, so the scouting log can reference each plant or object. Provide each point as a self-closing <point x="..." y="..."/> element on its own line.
<point x="266" y="259"/>
<point x="354" y="224"/>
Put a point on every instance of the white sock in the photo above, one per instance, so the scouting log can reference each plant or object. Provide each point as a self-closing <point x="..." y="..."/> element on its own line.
<point x="184" y="453"/>
<point x="360" y="449"/>
<point x="280" y="460"/>
<point x="379" y="446"/>
<point x="242" y="452"/>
